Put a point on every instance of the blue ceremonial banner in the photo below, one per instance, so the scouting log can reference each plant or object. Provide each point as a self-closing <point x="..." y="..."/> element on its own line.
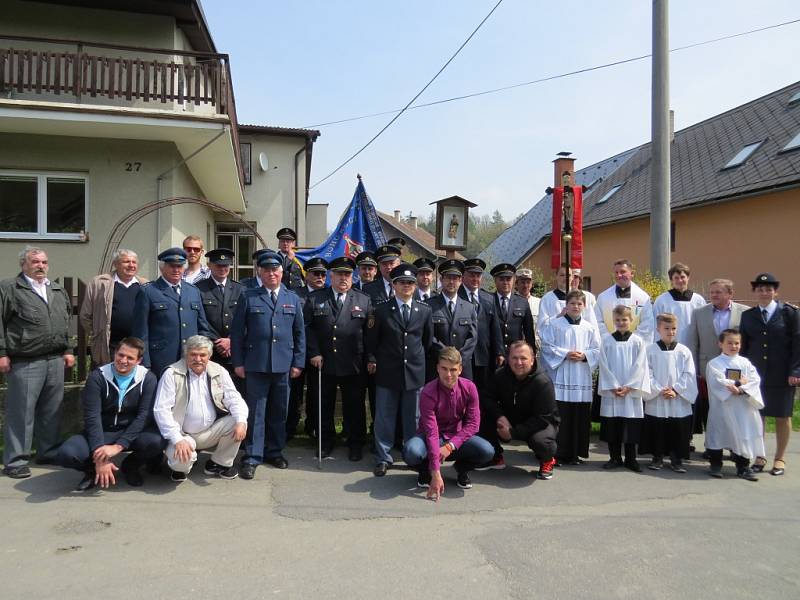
<point x="358" y="230"/>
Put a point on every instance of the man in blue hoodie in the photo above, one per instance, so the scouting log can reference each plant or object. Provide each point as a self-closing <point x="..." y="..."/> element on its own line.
<point x="117" y="408"/>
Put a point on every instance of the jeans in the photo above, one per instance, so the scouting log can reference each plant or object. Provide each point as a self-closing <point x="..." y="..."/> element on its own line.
<point x="474" y="452"/>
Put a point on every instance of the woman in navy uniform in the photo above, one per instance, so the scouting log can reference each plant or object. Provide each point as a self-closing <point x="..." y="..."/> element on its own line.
<point x="454" y="320"/>
<point x="168" y="311"/>
<point x="336" y="326"/>
<point x="771" y="341"/>
<point x="268" y="346"/>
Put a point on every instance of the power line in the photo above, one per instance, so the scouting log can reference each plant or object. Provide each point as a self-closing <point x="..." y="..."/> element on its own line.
<point x="397" y="116"/>
<point x="553" y="77"/>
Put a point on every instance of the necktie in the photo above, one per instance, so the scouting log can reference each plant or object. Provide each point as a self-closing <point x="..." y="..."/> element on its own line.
<point x="764" y="315"/>
<point x="504" y="306"/>
<point x="339" y="301"/>
<point x="176" y="289"/>
<point x="391" y="292"/>
<point x="424" y="297"/>
<point x="274" y="297"/>
<point x="406" y="313"/>
<point x="475" y="302"/>
<point x="451" y="307"/>
<point x="221" y="288"/>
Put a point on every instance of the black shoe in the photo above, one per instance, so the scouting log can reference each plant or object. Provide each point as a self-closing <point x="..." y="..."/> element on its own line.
<point x="380" y="469"/>
<point x="715" y="472"/>
<point x="86" y="484"/>
<point x="229" y="472"/>
<point x="656" y="464"/>
<point x="575" y="462"/>
<point x="213" y="468"/>
<point x="247" y="470"/>
<point x="22" y="472"/>
<point x="155" y="465"/>
<point x="178" y="476"/>
<point x="423" y="479"/>
<point x="464" y="482"/>
<point x="355" y="453"/>
<point x="633" y="465"/>
<point x="612" y="463"/>
<point x="278" y="462"/>
<point x="132" y="476"/>
<point x="746" y="473"/>
<point x="677" y="467"/>
<point x="326" y="451"/>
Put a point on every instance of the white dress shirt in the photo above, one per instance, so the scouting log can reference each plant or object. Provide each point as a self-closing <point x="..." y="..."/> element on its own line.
<point x="39" y="288"/>
<point x="127" y="285"/>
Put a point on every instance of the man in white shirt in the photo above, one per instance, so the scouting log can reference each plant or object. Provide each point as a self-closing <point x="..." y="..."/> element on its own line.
<point x="197" y="407"/>
<point x="195" y="270"/>
<point x="625" y="293"/>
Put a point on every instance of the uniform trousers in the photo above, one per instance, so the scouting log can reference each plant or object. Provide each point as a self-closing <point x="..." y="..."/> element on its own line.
<point x="33" y="409"/>
<point x="76" y="454"/>
<point x="219" y="436"/>
<point x="353" y="409"/>
<point x="267" y="401"/>
<point x="388" y="403"/>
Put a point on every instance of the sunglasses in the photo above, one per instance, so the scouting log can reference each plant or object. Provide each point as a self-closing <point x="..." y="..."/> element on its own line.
<point x="192" y="249"/>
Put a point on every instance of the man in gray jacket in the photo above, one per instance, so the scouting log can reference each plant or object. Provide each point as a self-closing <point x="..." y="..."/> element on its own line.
<point x="34" y="350"/>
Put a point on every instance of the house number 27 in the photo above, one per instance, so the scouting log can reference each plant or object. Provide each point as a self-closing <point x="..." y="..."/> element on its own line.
<point x="133" y="167"/>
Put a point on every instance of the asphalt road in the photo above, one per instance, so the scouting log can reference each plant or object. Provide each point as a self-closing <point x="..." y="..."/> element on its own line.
<point x="342" y="533"/>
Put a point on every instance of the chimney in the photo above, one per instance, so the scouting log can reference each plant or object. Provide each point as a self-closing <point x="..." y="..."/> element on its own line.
<point x="413" y="221"/>
<point x="397" y="215"/>
<point x="671" y="126"/>
<point x="564" y="162"/>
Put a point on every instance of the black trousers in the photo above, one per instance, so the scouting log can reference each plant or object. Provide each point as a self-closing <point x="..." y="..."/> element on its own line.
<point x="353" y="409"/>
<point x="542" y="442"/>
<point x="76" y="454"/>
<point x="371" y="393"/>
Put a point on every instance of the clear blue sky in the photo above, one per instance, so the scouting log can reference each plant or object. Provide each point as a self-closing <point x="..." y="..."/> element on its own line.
<point x="297" y="64"/>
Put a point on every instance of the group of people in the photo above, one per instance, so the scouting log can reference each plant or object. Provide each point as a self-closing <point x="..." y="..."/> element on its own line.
<point x="197" y="361"/>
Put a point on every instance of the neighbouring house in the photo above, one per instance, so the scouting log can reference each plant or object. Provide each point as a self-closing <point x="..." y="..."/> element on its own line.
<point x="419" y="242"/>
<point x="735" y="202"/>
<point x="109" y="109"/>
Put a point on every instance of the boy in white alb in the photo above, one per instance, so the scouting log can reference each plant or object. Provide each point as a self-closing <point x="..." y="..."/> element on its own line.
<point x="668" y="406"/>
<point x="734" y="399"/>
<point x="571" y="350"/>
<point x="679" y="300"/>
<point x="624" y="378"/>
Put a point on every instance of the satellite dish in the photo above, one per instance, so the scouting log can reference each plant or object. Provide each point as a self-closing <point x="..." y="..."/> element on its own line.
<point x="263" y="161"/>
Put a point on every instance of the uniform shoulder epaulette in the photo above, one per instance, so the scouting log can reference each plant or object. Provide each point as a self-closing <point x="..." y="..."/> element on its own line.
<point x="358" y="291"/>
<point x="415" y="301"/>
<point x="790" y="305"/>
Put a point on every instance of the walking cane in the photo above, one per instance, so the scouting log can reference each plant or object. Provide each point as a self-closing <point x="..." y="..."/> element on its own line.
<point x="319" y="419"/>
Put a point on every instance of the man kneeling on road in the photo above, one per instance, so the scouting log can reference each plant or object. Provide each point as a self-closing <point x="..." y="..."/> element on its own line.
<point x="520" y="404"/>
<point x="449" y="418"/>
<point x="117" y="400"/>
<point x="197" y="408"/>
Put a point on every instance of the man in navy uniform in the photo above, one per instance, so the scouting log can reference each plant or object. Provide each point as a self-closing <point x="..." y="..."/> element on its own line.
<point x="220" y="296"/>
<point x="316" y="273"/>
<point x="380" y="290"/>
<point x="268" y="346"/>
<point x="425" y="269"/>
<point x="489" y="352"/>
<point x="293" y="273"/>
<point x="514" y="312"/>
<point x="255" y="281"/>
<point x="167" y="312"/>
<point x="367" y="269"/>
<point x="336" y="325"/>
<point x="399" y="337"/>
<point x="454" y="321"/>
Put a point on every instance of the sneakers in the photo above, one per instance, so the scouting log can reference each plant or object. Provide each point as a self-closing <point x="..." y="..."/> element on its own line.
<point x="715" y="471"/>
<point x="464" y="482"/>
<point x="656" y="464"/>
<point x="178" y="477"/>
<point x="217" y="470"/>
<point x="497" y="463"/>
<point x="424" y="479"/>
<point x="22" y="472"/>
<point x="747" y="474"/>
<point x="677" y="466"/>
<point x="546" y="469"/>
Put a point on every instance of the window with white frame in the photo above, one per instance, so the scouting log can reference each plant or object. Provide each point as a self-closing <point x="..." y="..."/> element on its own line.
<point x="46" y="205"/>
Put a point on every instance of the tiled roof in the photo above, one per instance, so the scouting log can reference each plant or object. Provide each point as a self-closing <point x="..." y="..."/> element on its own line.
<point x="418" y="235"/>
<point x="524" y="236"/>
<point x="698" y="155"/>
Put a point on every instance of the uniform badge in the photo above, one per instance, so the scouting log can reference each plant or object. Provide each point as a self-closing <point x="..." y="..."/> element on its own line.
<point x="371" y="321"/>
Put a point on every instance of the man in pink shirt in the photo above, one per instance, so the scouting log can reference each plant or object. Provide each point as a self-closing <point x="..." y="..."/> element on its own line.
<point x="449" y="418"/>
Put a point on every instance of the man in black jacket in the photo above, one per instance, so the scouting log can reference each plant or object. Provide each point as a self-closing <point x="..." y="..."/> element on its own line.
<point x="521" y="405"/>
<point x="117" y="412"/>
